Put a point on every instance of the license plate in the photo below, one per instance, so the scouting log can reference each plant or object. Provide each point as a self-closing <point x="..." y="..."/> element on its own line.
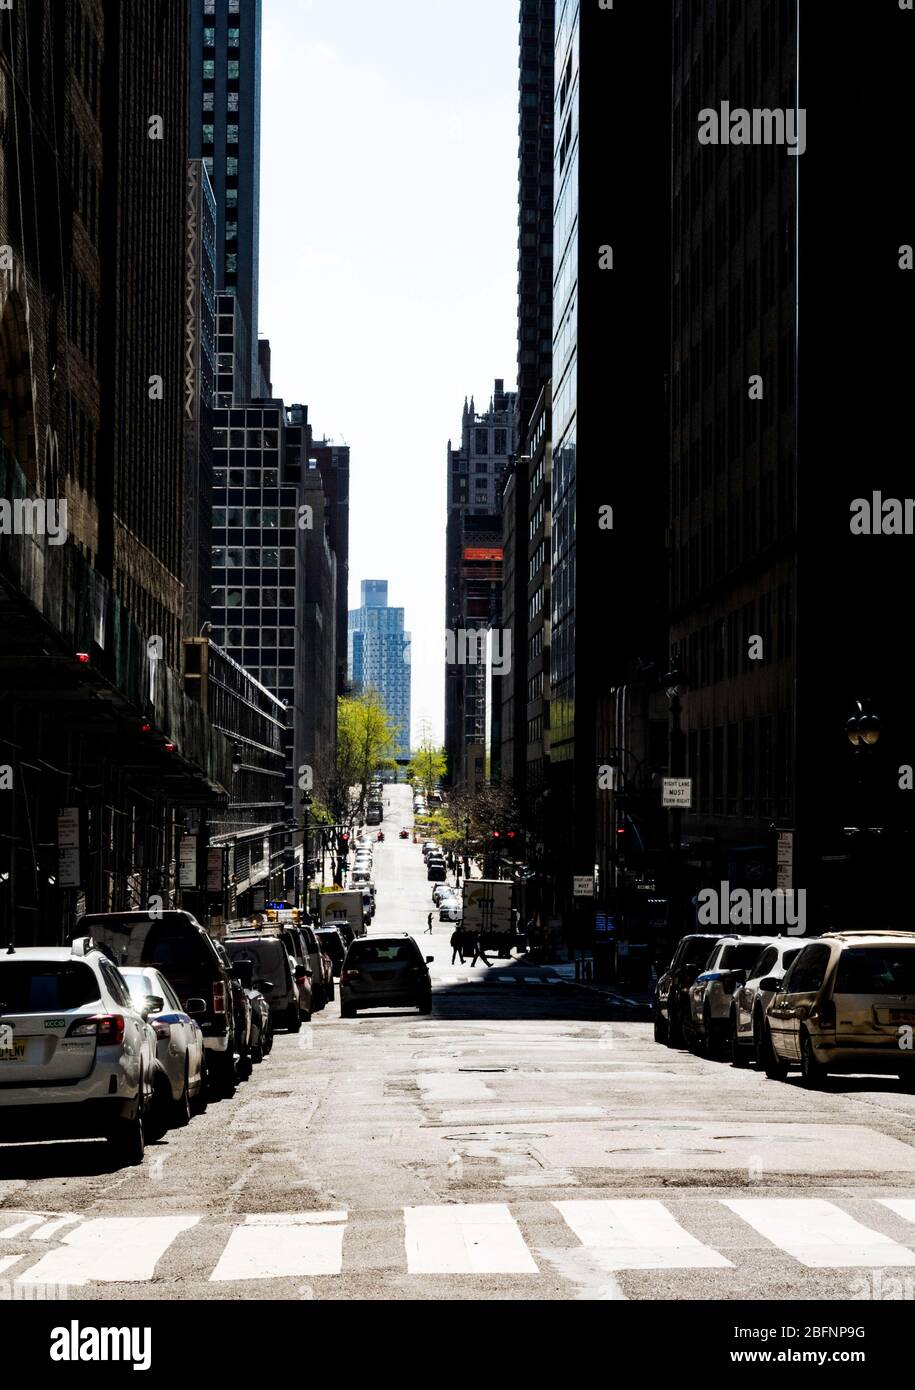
<point x="14" y="1053"/>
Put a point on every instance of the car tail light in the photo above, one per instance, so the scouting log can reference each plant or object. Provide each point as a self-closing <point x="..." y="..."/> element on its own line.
<point x="108" y="1029"/>
<point x="219" y="997"/>
<point x="163" y="1031"/>
<point x="825" y="1014"/>
<point x="301" y="977"/>
<point x="349" y="975"/>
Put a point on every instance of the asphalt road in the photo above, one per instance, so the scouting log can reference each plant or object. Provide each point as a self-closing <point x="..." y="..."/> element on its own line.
<point x="528" y="1140"/>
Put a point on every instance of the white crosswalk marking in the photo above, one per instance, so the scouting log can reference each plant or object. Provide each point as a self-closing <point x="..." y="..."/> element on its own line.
<point x="50" y="1228"/>
<point x="465" y="1239"/>
<point x="7" y="1260"/>
<point x="819" y="1234"/>
<point x="28" y="1223"/>
<point x="276" y="1245"/>
<point x="902" y="1206"/>
<point x="637" y="1233"/>
<point x="110" y="1250"/>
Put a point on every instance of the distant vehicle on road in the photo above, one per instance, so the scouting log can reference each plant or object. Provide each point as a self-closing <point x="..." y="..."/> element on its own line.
<point x="489" y="911"/>
<point x="346" y="906"/>
<point x="383" y="972"/>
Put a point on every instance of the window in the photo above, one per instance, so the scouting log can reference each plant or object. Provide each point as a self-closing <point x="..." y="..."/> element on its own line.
<point x="209" y="37"/>
<point x="208" y="135"/>
<point x="808" y="971"/>
<point x="232" y="101"/>
<point x="232" y="69"/>
<point x="233" y="38"/>
<point x="232" y="134"/>
<point x="501" y="445"/>
<point x="208" y="101"/>
<point x="482" y="445"/>
<point x="232" y="167"/>
<point x="209" y="69"/>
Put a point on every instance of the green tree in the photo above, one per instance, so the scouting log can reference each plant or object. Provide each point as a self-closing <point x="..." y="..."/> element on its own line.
<point x="366" y="740"/>
<point x="427" y="767"/>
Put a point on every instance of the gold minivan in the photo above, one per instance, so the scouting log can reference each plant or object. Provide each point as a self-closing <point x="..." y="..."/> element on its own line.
<point x="847" y="1004"/>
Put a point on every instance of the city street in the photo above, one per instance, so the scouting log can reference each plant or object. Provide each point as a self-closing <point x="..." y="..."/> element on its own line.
<point x="528" y="1140"/>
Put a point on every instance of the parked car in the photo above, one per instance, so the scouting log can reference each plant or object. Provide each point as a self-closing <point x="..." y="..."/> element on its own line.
<point x="382" y="972"/>
<point x="309" y="971"/>
<point x="261" y="1022"/>
<point x="179" y="1080"/>
<point x="77" y="1057"/>
<point x="321" y="990"/>
<point x="436" y="873"/>
<point x="441" y="891"/>
<point x="671" y="998"/>
<point x="712" y="993"/>
<point x="451" y="910"/>
<point x="241" y="1020"/>
<point x="847" y="1004"/>
<point x="180" y="949"/>
<point x="346" y="930"/>
<point x="331" y="941"/>
<point x="748" y="1011"/>
<point x="274" y="974"/>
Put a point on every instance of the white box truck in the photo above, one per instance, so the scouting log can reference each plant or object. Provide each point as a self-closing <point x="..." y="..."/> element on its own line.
<point x="345" y="906"/>
<point x="489" y="909"/>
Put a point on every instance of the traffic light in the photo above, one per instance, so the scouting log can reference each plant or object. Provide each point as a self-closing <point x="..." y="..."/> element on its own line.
<point x="343" y="845"/>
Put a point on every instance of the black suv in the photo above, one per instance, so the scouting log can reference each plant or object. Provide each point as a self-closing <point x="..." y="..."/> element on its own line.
<point x="671" y="996"/>
<point x="175" y="943"/>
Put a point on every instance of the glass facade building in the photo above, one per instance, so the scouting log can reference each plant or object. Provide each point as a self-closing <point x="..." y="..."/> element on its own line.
<point x="379" y="656"/>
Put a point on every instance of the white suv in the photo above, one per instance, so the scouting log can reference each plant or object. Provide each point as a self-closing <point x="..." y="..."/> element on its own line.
<point x="712" y="995"/>
<point x="77" y="1057"/>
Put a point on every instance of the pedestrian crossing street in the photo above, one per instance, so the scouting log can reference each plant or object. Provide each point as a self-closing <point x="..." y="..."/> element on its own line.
<point x="457" y="1239"/>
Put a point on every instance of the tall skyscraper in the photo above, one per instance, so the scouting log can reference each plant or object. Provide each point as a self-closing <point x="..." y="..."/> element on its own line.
<point x="379" y="656"/>
<point x="473" y="572"/>
<point x="611" y="333"/>
<point x="224" y="130"/>
<point x="199" y="385"/>
<point x="535" y="204"/>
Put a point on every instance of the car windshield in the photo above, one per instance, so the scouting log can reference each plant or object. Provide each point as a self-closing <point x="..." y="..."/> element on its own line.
<point x="38" y="987"/>
<point x="740" y="957"/>
<point x="877" y="970"/>
<point x="372" y="952"/>
<point x="265" y="956"/>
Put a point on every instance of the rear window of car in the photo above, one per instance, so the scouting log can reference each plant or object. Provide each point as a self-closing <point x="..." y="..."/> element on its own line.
<point x="172" y="947"/>
<point x="38" y="987"/>
<point x="265" y="956"/>
<point x="697" y="951"/>
<point x="740" y="957"/>
<point x="876" y="970"/>
<point x="376" y="952"/>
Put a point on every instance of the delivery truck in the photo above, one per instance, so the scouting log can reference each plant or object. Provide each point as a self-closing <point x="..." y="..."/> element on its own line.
<point x="345" y="906"/>
<point x="490" y="909"/>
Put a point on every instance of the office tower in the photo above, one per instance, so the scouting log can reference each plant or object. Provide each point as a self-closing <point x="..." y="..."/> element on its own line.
<point x="224" y="131"/>
<point x="525" y="501"/>
<point x="93" y="209"/>
<point x="333" y="464"/>
<point x="199" y="384"/>
<point x="379" y="657"/>
<point x="611" y="334"/>
<point x="259" y="546"/>
<point x="473" y="574"/>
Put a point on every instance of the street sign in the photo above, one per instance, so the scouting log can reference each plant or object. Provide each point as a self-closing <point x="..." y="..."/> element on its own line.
<point x="68" y="858"/>
<point x="583" y="885"/>
<point x="677" y="793"/>
<point x="187" y="862"/>
<point x="784" y="857"/>
<point x="68" y="828"/>
<point x="214" y="870"/>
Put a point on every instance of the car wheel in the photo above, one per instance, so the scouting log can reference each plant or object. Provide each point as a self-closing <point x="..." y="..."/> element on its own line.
<point x="293" y="1018"/>
<point x="201" y="1100"/>
<point x="775" y="1068"/>
<point x="127" y="1139"/>
<point x="660" y="1027"/>
<point x="157" y="1118"/>
<point x="347" y="1011"/>
<point x="739" y="1056"/>
<point x="813" y="1073"/>
<point x="759" y="1029"/>
<point x="181" y="1108"/>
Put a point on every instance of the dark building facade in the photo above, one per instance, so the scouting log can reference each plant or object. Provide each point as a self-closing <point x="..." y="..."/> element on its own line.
<point x="224" y="130"/>
<point x="333" y="465"/>
<point x="104" y="757"/>
<point x="609" y="397"/>
<point x="199" y="385"/>
<point x="473" y="577"/>
<point x="535" y="204"/>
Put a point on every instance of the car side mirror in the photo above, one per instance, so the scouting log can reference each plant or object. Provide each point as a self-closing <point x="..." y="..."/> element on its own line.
<point x="154" y="1004"/>
<point x="771" y="984"/>
<point x="430" y="960"/>
<point x="195" y="1006"/>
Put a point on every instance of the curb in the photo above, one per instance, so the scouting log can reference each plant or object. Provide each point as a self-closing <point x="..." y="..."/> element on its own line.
<point x="607" y="994"/>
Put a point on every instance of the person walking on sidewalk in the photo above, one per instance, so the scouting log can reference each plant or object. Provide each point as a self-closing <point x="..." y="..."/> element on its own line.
<point x="478" y="952"/>
<point x="457" y="944"/>
<point x="429" y="923"/>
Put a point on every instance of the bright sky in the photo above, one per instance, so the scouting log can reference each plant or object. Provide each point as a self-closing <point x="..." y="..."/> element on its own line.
<point x="388" y="261"/>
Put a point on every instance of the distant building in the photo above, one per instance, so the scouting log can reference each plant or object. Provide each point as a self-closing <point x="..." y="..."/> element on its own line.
<point x="199" y="385"/>
<point x="379" y="656"/>
<point x="473" y="575"/>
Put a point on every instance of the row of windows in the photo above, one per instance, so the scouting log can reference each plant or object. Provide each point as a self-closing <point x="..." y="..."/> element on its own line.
<point x="209" y="69"/>
<point x="209" y="103"/>
<point x="537" y="561"/>
<point x="742" y="769"/>
<point x="208" y="135"/>
<point x="536" y="478"/>
<point x="209" y="37"/>
<point x="254" y="598"/>
<point x="244" y="439"/>
<point x="721" y="650"/>
<point x="248" y="557"/>
<point x="209" y="6"/>
<point x="733" y="537"/>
